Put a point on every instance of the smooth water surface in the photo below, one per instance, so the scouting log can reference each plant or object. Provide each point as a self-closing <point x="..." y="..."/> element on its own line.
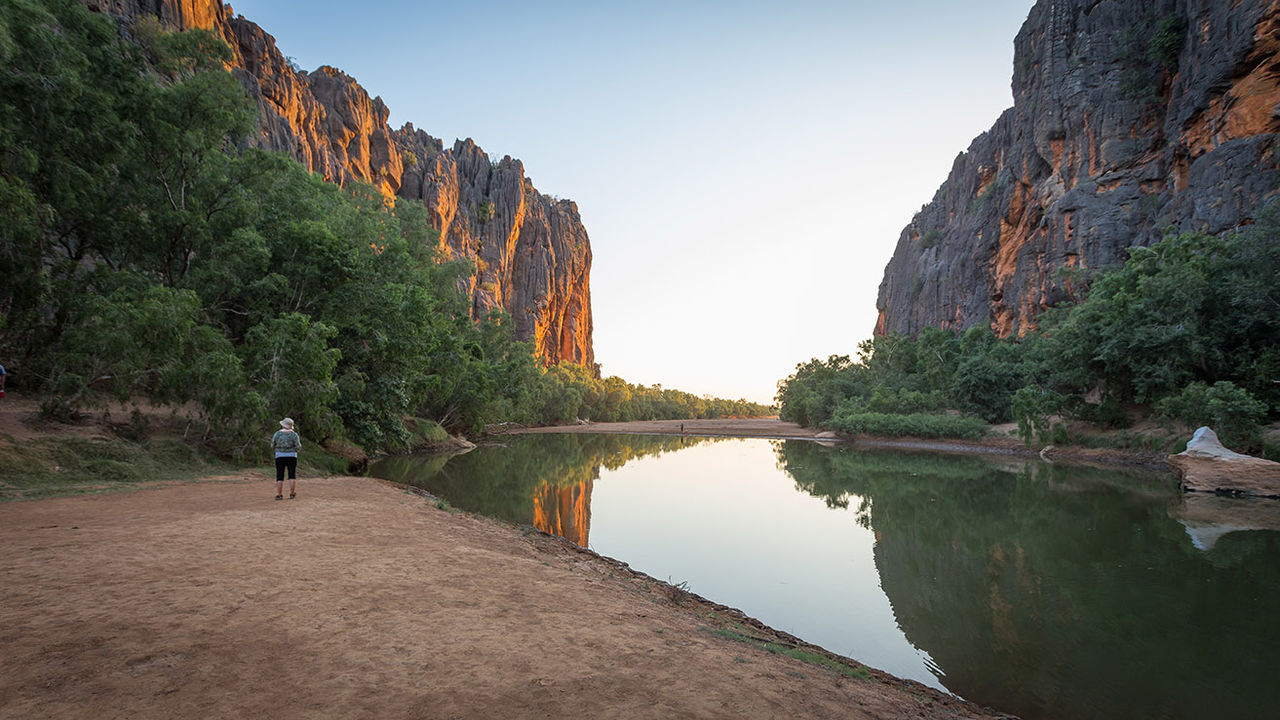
<point x="1047" y="591"/>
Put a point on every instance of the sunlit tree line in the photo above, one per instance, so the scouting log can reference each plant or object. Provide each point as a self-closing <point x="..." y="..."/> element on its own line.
<point x="146" y="254"/>
<point x="572" y="392"/>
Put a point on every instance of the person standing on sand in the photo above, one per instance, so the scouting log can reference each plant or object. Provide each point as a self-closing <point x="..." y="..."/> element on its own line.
<point x="286" y="445"/>
<point x="3" y="375"/>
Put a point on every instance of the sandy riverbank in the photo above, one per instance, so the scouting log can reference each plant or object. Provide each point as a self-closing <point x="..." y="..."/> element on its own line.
<point x="362" y="600"/>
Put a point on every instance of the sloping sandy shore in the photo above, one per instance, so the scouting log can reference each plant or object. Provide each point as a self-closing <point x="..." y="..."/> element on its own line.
<point x="362" y="600"/>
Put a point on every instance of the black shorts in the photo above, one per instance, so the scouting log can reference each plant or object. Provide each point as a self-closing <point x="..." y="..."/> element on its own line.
<point x="291" y="463"/>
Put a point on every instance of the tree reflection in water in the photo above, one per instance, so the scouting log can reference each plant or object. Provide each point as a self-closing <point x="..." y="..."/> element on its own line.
<point x="542" y="480"/>
<point x="1062" y="592"/>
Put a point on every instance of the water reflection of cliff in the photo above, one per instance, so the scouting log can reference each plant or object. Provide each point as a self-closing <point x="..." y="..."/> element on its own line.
<point x="565" y="510"/>
<point x="539" y="480"/>
<point x="1061" y="592"/>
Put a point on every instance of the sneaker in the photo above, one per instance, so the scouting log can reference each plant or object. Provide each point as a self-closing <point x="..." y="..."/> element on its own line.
<point x="293" y="495"/>
<point x="279" y="497"/>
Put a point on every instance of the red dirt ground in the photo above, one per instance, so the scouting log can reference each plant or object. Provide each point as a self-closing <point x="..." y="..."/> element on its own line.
<point x="362" y="600"/>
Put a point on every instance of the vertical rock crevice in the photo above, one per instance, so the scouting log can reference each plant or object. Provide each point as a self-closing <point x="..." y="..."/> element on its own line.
<point x="1131" y="118"/>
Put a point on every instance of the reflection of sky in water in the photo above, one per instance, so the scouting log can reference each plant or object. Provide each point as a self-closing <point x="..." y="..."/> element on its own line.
<point x="1050" y="591"/>
<point x="725" y="519"/>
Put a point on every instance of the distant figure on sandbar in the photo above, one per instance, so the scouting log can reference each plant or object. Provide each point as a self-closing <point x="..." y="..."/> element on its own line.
<point x="286" y="445"/>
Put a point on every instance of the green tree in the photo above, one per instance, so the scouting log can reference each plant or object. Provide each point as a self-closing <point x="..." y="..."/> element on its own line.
<point x="66" y="85"/>
<point x="987" y="376"/>
<point x="290" y="359"/>
<point x="810" y="395"/>
<point x="1234" y="414"/>
<point x="1189" y="308"/>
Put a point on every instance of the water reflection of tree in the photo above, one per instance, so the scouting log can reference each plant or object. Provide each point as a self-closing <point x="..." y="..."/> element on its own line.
<point x="543" y="480"/>
<point x="1055" y="591"/>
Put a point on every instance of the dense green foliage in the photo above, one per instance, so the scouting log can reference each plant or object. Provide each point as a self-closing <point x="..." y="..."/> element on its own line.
<point x="940" y="385"/>
<point x="147" y="254"/>
<point x="925" y="425"/>
<point x="1188" y="330"/>
<point x="565" y="392"/>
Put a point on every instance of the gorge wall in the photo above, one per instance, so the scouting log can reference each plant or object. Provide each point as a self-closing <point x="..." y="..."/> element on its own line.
<point x="531" y="252"/>
<point x="1130" y="118"/>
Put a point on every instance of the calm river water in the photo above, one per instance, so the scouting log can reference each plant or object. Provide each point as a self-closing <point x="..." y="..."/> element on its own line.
<point x="1048" y="591"/>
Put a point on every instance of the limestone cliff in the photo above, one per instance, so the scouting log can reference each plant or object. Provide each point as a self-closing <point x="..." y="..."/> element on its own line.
<point x="531" y="252"/>
<point x="1130" y="117"/>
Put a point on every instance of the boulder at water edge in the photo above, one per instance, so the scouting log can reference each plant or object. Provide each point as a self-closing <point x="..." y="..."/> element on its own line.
<point x="1207" y="466"/>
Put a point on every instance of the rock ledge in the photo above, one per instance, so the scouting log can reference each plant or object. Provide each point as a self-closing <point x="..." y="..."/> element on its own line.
<point x="1207" y="466"/>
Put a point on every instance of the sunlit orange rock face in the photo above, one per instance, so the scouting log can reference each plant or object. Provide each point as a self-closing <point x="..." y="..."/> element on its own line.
<point x="531" y="252"/>
<point x="174" y="13"/>
<point x="564" y="511"/>
<point x="1108" y="145"/>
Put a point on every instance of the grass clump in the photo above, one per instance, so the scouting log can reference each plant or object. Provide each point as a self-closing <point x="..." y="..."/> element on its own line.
<point x="846" y="669"/>
<point x="677" y="593"/>
<point x="49" y="467"/>
<point x="426" y="432"/>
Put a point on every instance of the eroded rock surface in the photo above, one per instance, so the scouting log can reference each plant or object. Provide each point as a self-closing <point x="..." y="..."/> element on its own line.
<point x="1207" y="466"/>
<point x="1130" y="117"/>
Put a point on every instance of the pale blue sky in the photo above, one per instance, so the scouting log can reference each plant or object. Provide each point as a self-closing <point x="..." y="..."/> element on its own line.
<point x="743" y="168"/>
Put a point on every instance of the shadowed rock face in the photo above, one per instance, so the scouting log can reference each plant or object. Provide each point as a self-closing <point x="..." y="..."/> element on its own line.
<point x="532" y="253"/>
<point x="1110" y="142"/>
